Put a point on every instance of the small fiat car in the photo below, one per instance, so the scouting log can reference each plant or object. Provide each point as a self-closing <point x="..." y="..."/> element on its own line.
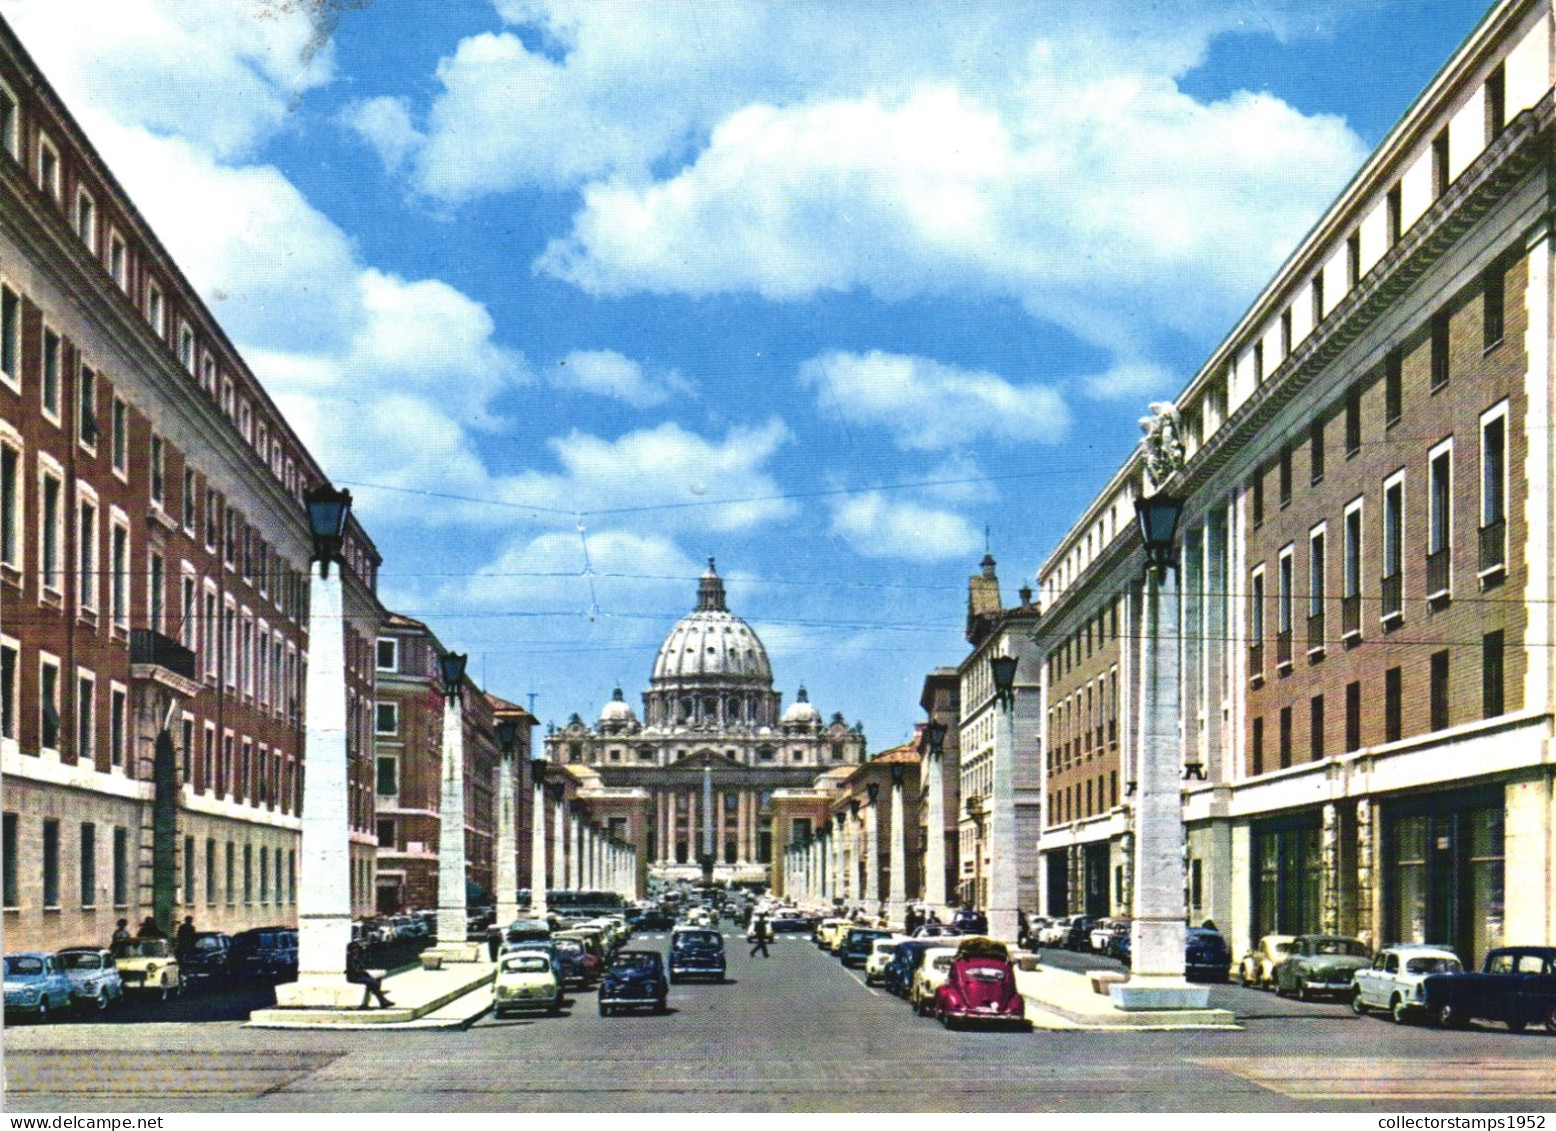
<point x="35" y="986"/>
<point x="526" y="980"/>
<point x="858" y="944"/>
<point x="980" y="990"/>
<point x="634" y="979"/>
<point x="1393" y="981"/>
<point x="696" y="952"/>
<point x="94" y="980"/>
<point x="881" y="951"/>
<point x="148" y="966"/>
<point x="1257" y="969"/>
<point x="932" y="972"/>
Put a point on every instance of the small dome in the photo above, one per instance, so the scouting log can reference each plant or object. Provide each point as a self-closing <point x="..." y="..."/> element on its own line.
<point x="802" y="712"/>
<point x="617" y="711"/>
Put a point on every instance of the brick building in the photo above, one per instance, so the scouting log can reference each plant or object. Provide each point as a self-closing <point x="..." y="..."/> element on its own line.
<point x="1365" y="656"/>
<point x="153" y="584"/>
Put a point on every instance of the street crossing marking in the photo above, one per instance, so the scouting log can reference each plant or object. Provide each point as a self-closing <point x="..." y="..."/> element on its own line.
<point x="1309" y="1078"/>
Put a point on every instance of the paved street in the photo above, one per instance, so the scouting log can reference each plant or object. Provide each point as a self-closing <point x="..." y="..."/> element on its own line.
<point x="793" y="1033"/>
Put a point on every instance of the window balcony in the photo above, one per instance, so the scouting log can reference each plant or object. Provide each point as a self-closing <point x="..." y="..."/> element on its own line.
<point x="151" y="648"/>
<point x="1315" y="636"/>
<point x="1439" y="574"/>
<point x="1493" y="547"/>
<point x="1283" y="650"/>
<point x="1393" y="597"/>
<point x="1350" y="619"/>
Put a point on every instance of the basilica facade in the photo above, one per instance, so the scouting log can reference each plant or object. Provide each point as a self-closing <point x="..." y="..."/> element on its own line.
<point x="713" y="744"/>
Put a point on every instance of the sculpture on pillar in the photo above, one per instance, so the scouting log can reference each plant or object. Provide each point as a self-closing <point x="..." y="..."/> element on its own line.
<point x="1162" y="447"/>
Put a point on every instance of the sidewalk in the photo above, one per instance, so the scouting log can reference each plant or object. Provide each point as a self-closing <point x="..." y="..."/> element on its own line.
<point x="1061" y="999"/>
<point x="449" y="998"/>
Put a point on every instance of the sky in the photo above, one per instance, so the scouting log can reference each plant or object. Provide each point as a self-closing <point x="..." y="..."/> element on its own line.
<point x="575" y="294"/>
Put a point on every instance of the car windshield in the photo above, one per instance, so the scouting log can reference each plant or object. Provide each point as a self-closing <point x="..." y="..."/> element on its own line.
<point x="1433" y="966"/>
<point x="1350" y="947"/>
<point x="81" y="961"/>
<point x="568" y="947"/>
<point x="625" y="963"/>
<point x="142" y="948"/>
<point x="526" y="964"/>
<point x="208" y="943"/>
<point x="943" y="962"/>
<point x="699" y="938"/>
<point x="24" y="965"/>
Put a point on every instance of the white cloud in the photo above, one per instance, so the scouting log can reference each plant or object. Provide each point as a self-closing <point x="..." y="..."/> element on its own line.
<point x="928" y="406"/>
<point x="607" y="373"/>
<point x="385" y="123"/>
<point x="876" y="525"/>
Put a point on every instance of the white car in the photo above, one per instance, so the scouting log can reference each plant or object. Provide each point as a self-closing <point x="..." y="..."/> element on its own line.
<point x="1393" y="981"/>
<point x="881" y="952"/>
<point x="526" y="980"/>
<point x="931" y="974"/>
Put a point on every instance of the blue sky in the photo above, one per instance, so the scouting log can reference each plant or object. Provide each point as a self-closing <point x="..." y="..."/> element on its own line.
<point x="825" y="290"/>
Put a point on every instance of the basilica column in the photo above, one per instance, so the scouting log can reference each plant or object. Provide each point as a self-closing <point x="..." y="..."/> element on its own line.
<point x="742" y="827"/>
<point x="872" y="853"/>
<point x="559" y="844"/>
<point x="691" y="826"/>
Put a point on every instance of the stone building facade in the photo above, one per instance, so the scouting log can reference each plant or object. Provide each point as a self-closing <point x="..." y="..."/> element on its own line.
<point x="153" y="573"/>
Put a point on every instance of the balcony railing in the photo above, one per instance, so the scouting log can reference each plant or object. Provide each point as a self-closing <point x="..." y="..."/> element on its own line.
<point x="1350" y="616"/>
<point x="1439" y="574"/>
<point x="1315" y="633"/>
<point x="1283" y="648"/>
<point x="1493" y="546"/>
<point x="1394" y="596"/>
<point x="147" y="646"/>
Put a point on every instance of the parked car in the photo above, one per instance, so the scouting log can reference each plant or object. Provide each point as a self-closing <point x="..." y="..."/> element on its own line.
<point x="1516" y="985"/>
<point x="970" y="922"/>
<point x="35" y="986"/>
<point x="858" y="944"/>
<point x="655" y="919"/>
<point x="148" y="966"/>
<point x="790" y="922"/>
<point x="208" y="958"/>
<point x="829" y="931"/>
<point x="936" y="931"/>
<point x="634" y="978"/>
<point x="1393" y="981"/>
<point x="898" y="974"/>
<point x="526" y="980"/>
<point x="881" y="951"/>
<point x="94" y="979"/>
<point x="1030" y="937"/>
<point x="1320" y="964"/>
<point x="1105" y="935"/>
<point x="928" y="977"/>
<point x="579" y="967"/>
<point x="527" y="930"/>
<point x="1206" y="955"/>
<point x="696" y="952"/>
<point x="266" y="953"/>
<point x="980" y="988"/>
<point x="1257" y="969"/>
<point x="1077" y="934"/>
<point x="1053" y="932"/>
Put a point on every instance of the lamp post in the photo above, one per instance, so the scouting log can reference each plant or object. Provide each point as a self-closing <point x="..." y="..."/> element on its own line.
<point x="507" y="866"/>
<point x="934" y="848"/>
<point x="453" y="903"/>
<point x="538" y="905"/>
<point x="324" y="864"/>
<point x="1004" y="918"/>
<point x="872" y="851"/>
<point x="897" y="894"/>
<point x="1158" y="932"/>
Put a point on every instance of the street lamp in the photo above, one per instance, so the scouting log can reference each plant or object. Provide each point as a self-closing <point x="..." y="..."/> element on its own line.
<point x="1158" y="518"/>
<point x="937" y="732"/>
<point x="324" y="850"/>
<point x="451" y="669"/>
<point x="1003" y="668"/>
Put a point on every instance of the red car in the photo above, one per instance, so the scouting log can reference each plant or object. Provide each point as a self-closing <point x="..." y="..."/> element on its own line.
<point x="980" y="990"/>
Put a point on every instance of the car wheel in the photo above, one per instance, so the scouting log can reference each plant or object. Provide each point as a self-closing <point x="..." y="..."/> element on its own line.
<point x="1397" y="1011"/>
<point x="43" y="1011"/>
<point x="605" y="1010"/>
<point x="1302" y="994"/>
<point x="1450" y="1018"/>
<point x="102" y="1000"/>
<point x="167" y="991"/>
<point x="947" y="1021"/>
<point x="1242" y="978"/>
<point x="1358" y="1006"/>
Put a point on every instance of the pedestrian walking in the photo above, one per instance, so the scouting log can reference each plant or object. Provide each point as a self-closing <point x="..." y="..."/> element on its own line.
<point x="760" y="936"/>
<point x="358" y="974"/>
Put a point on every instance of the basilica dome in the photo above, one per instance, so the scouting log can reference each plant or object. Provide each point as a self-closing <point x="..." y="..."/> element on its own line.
<point x="802" y="712"/>
<point x="711" y="644"/>
<point x="617" y="712"/>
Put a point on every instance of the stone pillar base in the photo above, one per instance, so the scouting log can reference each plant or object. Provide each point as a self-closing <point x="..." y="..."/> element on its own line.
<point x="1154" y="994"/>
<point x="318" y="991"/>
<point x="457" y="952"/>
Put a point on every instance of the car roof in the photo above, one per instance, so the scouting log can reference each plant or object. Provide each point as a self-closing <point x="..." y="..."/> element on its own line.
<point x="82" y="950"/>
<point x="30" y="954"/>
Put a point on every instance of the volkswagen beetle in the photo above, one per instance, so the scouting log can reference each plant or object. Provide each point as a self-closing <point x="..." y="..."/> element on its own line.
<point x="980" y="990"/>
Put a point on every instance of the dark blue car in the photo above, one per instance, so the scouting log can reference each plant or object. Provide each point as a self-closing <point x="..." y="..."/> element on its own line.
<point x="1206" y="957"/>
<point x="898" y="975"/>
<point x="696" y="952"/>
<point x="634" y="978"/>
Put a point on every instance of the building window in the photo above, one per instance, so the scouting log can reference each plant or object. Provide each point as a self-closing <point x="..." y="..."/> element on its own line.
<point x="158" y="481"/>
<point x="10" y="337"/>
<point x="116" y="723"/>
<point x="155" y="587"/>
<point x="1317" y="566"/>
<point x="189" y="871"/>
<point x="1256" y="624"/>
<point x="1393" y="388"/>
<point x="121" y="437"/>
<point x="1285" y="477"/>
<point x="1352" y="260"/>
<point x="119" y="581"/>
<point x="10" y="506"/>
<point x="9" y="134"/>
<point x="388" y="777"/>
<point x="1493" y="490"/>
<point x="86" y="717"/>
<point x="1491" y="675"/>
<point x="51" y="534"/>
<point x="1285" y="333"/>
<point x="1315" y="451"/>
<point x="156" y="315"/>
<point x="87" y="872"/>
<point x="1318" y="298"/>
<point x="1439" y="691"/>
<point x="11" y="885"/>
<point x="8" y="690"/>
<point x="52" y="356"/>
<point x="48" y="704"/>
<point x="1493" y="316"/>
<point x="230" y="873"/>
<point x="1393" y="546"/>
<point x="1393" y="704"/>
<point x="388" y="718"/>
<point x="1285" y="737"/>
<point x="1439" y="351"/>
<point x="1496" y="102"/>
<point x="1256" y="503"/>
<point x="1353" y="708"/>
<point x="86" y="219"/>
<point x="186" y="347"/>
<point x="121" y="866"/>
<point x="1315" y="734"/>
<point x="118" y="261"/>
<point x="210" y="869"/>
<point x="1285" y="569"/>
<point x="1258" y="363"/>
<point x="50" y="863"/>
<point x="1440" y="180"/>
<point x="1439" y="558"/>
<point x="248" y="873"/>
<point x="1395" y="213"/>
<point x="1353" y="421"/>
<point x="48" y="167"/>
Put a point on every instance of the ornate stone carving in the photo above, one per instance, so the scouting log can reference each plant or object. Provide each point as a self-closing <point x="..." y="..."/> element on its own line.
<point x="1162" y="446"/>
